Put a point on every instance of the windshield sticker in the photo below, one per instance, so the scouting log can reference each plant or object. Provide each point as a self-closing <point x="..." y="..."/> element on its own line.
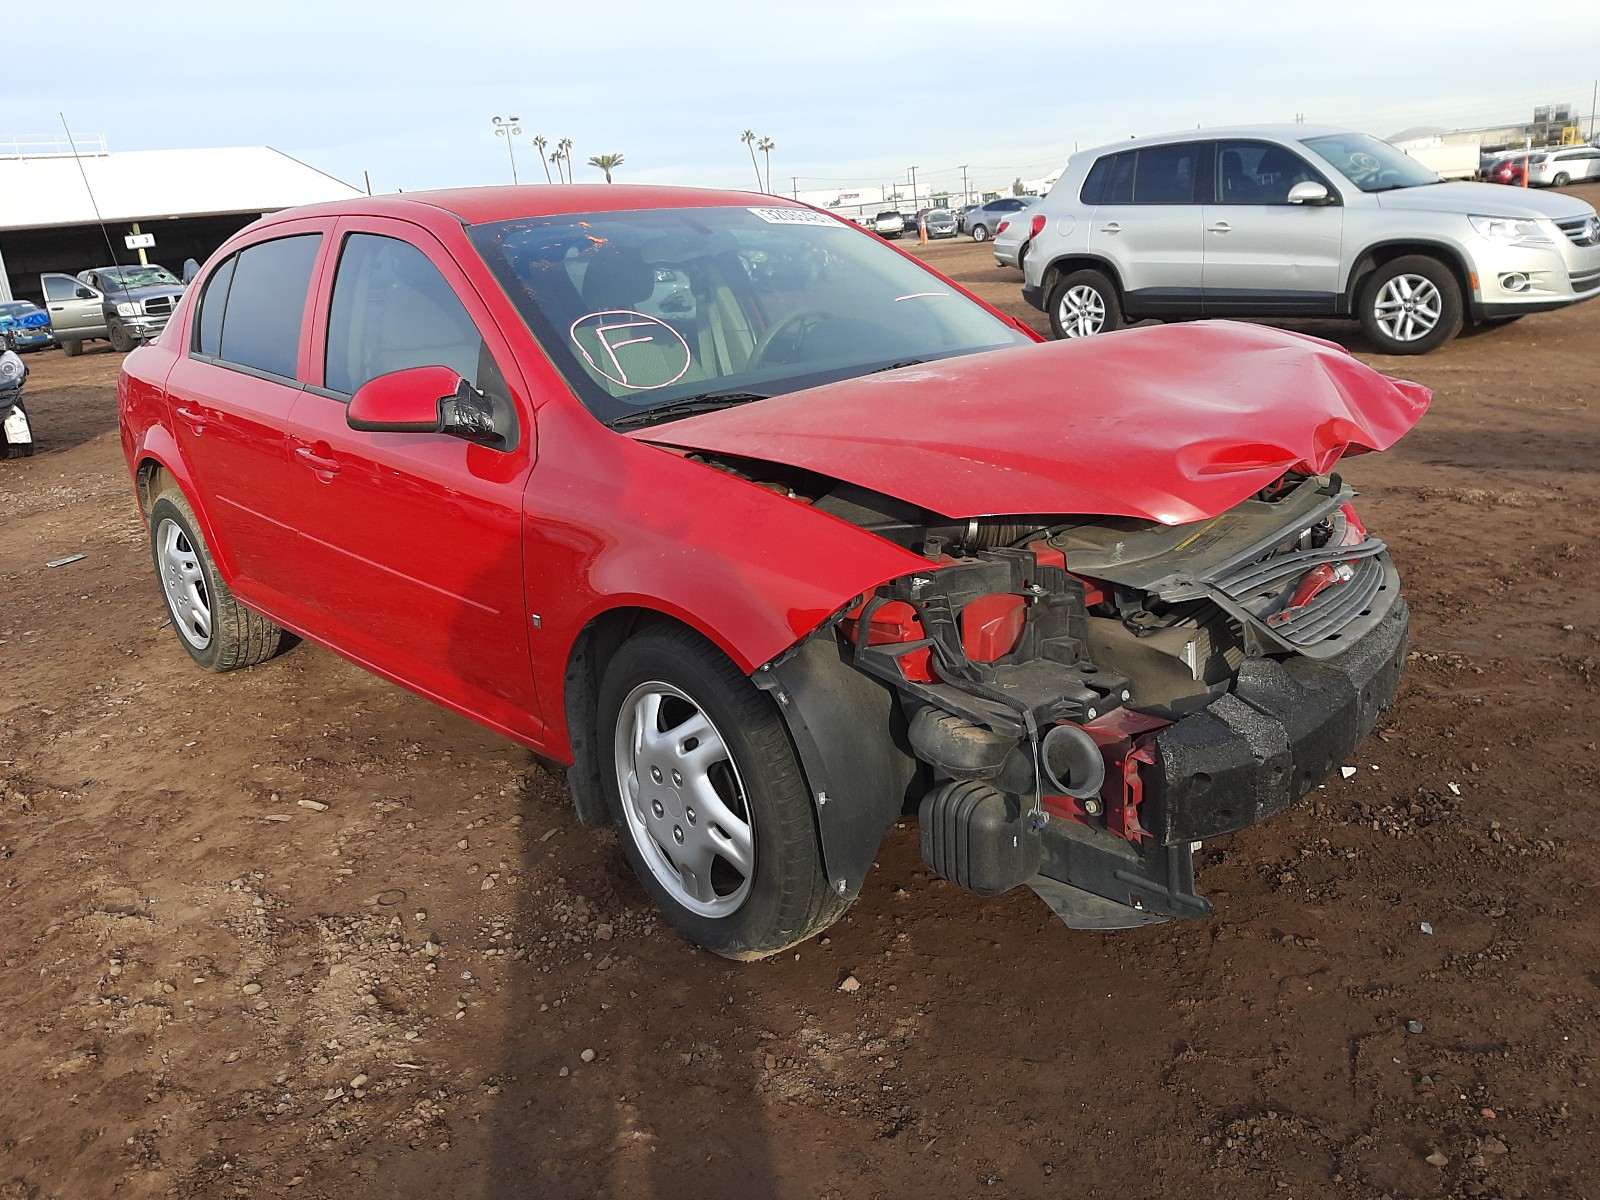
<point x="921" y="295"/>
<point x="632" y="349"/>
<point x="796" y="216"/>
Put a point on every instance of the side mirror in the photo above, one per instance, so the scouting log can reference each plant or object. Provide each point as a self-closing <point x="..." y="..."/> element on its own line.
<point x="85" y="293"/>
<point x="1309" y="191"/>
<point x="423" y="400"/>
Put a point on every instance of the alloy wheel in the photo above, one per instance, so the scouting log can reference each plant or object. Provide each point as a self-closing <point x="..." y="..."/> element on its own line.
<point x="685" y="806"/>
<point x="1408" y="308"/>
<point x="184" y="582"/>
<point x="1083" y="312"/>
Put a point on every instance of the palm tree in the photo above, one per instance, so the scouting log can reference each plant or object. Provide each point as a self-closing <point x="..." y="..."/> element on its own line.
<point x="606" y="162"/>
<point x="539" y="144"/>
<point x="767" y="146"/>
<point x="565" y="146"/>
<point x="748" y="137"/>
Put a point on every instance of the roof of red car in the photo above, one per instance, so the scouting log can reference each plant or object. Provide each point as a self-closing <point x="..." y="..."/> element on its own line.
<point x="476" y="205"/>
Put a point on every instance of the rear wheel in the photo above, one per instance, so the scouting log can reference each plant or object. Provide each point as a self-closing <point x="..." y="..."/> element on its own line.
<point x="71" y="349"/>
<point x="980" y="234"/>
<point x="121" y="340"/>
<point x="218" y="632"/>
<point x="1411" y="305"/>
<point x="1083" y="304"/>
<point x="704" y="787"/>
<point x="1561" y="179"/>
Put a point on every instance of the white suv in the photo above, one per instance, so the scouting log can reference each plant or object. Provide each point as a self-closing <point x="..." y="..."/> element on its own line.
<point x="1296" y="220"/>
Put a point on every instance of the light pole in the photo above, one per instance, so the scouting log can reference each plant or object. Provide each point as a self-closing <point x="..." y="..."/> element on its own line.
<point x="507" y="129"/>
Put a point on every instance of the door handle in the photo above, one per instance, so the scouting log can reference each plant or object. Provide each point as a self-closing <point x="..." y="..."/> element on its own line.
<point x="1219" y="227"/>
<point x="194" y="418"/>
<point x="322" y="464"/>
<point x="1113" y="227"/>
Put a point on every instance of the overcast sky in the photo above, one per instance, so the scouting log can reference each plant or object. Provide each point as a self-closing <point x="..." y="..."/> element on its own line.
<point x="851" y="93"/>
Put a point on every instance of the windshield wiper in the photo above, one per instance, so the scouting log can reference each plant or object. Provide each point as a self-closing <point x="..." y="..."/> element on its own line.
<point x="895" y="366"/>
<point x="688" y="406"/>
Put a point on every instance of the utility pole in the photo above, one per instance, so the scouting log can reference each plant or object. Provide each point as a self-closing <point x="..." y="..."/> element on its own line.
<point x="913" y="189"/>
<point x="795" y="181"/>
<point x="1593" y="96"/>
<point x="966" y="192"/>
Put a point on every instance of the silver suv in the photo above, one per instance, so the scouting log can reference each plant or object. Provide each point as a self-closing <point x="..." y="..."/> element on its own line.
<point x="1296" y="220"/>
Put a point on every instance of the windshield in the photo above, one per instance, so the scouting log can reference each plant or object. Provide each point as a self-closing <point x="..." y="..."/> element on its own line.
<point x="1370" y="164"/>
<point x="132" y="277"/>
<point x="644" y="309"/>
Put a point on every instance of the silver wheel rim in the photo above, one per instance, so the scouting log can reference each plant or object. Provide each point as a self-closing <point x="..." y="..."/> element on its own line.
<point x="184" y="583"/>
<point x="1083" y="312"/>
<point x="1408" y="308"/>
<point x="683" y="801"/>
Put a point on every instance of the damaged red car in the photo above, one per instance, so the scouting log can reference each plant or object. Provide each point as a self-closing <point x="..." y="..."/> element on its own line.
<point x="770" y="535"/>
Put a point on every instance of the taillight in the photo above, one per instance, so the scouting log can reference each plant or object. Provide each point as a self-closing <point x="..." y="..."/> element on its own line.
<point x="1038" y="225"/>
<point x="1004" y="225"/>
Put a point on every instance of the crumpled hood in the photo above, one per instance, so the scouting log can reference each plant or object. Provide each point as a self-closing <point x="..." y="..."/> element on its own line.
<point x="1486" y="200"/>
<point x="1175" y="423"/>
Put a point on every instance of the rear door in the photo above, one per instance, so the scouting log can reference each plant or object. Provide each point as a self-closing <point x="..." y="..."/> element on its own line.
<point x="230" y="394"/>
<point x="414" y="540"/>
<point x="75" y="308"/>
<point x="1263" y="254"/>
<point x="1147" y="224"/>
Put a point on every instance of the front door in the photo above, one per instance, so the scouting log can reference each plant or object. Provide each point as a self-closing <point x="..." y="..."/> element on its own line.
<point x="76" y="310"/>
<point x="1263" y="254"/>
<point x="415" y="539"/>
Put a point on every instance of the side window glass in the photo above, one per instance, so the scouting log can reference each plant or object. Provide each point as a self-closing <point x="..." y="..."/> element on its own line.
<point x="1167" y="174"/>
<point x="392" y="309"/>
<point x="1095" y="181"/>
<point x="213" y="302"/>
<point x="266" y="304"/>
<point x="59" y="287"/>
<point x="1258" y="173"/>
<point x="1119" y="185"/>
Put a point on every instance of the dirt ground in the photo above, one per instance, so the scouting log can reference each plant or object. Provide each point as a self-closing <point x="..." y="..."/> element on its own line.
<point x="295" y="932"/>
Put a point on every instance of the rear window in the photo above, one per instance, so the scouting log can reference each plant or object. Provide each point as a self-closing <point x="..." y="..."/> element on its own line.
<point x="265" y="305"/>
<point x="1168" y="174"/>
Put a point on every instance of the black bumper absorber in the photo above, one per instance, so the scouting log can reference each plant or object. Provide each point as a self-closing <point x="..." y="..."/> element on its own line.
<point x="1279" y="733"/>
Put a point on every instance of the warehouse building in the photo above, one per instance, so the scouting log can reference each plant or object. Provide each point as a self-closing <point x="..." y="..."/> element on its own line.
<point x="67" y="209"/>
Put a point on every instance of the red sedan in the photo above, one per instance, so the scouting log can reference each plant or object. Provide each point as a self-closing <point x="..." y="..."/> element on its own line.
<point x="768" y="533"/>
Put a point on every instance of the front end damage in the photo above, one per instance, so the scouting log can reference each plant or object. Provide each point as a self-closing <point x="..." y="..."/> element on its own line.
<point x="1076" y="704"/>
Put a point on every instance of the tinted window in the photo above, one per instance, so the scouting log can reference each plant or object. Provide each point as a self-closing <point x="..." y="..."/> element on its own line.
<point x="1119" y="185"/>
<point x="1167" y="174"/>
<point x="1095" y="181"/>
<point x="1259" y="173"/>
<point x="267" y="304"/>
<point x="208" y="330"/>
<point x="392" y="309"/>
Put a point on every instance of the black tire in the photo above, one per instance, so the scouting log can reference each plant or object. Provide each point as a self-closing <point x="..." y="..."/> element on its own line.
<point x="121" y="340"/>
<point x="236" y="637"/>
<point x="1422" y="282"/>
<point x="785" y="898"/>
<point x="980" y="233"/>
<point x="1083" y="304"/>
<point x="71" y="349"/>
<point x="1561" y="180"/>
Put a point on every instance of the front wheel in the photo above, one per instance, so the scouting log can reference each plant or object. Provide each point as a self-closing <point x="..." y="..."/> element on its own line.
<point x="1083" y="304"/>
<point x="218" y="632"/>
<point x="980" y="234"/>
<point x="121" y="340"/>
<point x="712" y="806"/>
<point x="1411" y="305"/>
